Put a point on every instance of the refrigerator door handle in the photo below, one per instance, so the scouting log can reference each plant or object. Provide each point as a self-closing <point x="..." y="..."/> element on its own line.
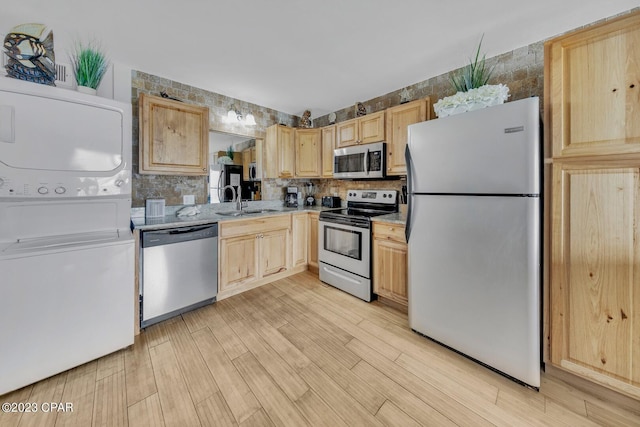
<point x="407" y="159"/>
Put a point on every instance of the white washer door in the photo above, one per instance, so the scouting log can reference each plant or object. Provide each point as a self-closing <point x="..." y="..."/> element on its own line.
<point x="62" y="309"/>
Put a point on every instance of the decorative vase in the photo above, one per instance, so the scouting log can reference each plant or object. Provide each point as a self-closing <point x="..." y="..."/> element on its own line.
<point x="87" y="90"/>
<point x="474" y="99"/>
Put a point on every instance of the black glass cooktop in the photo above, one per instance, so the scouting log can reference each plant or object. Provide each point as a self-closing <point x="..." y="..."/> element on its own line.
<point x="368" y="213"/>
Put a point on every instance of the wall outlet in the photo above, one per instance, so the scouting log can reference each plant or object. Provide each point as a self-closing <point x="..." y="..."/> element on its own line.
<point x="189" y="200"/>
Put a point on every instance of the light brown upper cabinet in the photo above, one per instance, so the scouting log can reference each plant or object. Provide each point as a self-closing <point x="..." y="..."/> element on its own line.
<point x="361" y="130"/>
<point x="398" y="118"/>
<point x="174" y="137"/>
<point x="328" y="145"/>
<point x="308" y="153"/>
<point x="279" y="152"/>
<point x="592" y="89"/>
<point x="592" y="111"/>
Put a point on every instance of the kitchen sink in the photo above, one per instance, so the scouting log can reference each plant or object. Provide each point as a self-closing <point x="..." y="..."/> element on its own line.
<point x="230" y="213"/>
<point x="246" y="212"/>
<point x="255" y="211"/>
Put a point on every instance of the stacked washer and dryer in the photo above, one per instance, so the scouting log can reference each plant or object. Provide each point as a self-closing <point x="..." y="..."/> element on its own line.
<point x="66" y="248"/>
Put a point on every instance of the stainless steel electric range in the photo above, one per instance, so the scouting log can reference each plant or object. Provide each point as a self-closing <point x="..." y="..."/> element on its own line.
<point x="344" y="240"/>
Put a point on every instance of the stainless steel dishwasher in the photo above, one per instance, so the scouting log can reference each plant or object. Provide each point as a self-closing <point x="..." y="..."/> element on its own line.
<point x="179" y="271"/>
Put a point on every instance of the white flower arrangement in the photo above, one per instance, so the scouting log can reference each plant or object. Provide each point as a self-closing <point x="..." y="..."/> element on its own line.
<point x="225" y="160"/>
<point x="473" y="99"/>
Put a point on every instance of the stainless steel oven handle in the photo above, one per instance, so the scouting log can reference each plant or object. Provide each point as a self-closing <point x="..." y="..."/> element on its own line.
<point x="343" y="226"/>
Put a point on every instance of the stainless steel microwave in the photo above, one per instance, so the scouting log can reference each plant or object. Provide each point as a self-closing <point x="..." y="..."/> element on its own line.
<point x="360" y="161"/>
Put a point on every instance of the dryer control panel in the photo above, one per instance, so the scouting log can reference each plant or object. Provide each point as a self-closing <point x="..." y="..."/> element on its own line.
<point x="48" y="187"/>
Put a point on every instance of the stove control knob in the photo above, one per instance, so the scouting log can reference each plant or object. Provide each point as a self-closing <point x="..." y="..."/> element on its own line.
<point x="384" y="196"/>
<point x="60" y="190"/>
<point x="119" y="183"/>
<point x="43" y="190"/>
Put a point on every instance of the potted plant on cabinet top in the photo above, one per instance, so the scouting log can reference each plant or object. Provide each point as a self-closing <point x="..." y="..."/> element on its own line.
<point x="473" y="92"/>
<point x="89" y="66"/>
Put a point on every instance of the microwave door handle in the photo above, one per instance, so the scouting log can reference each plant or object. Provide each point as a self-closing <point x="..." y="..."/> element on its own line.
<point x="366" y="162"/>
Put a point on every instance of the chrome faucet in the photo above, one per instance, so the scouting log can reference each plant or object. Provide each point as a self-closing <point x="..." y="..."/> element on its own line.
<point x="239" y="199"/>
<point x="233" y="191"/>
<point x="237" y="196"/>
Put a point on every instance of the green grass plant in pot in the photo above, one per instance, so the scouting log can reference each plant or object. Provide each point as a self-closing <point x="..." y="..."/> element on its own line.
<point x="89" y="66"/>
<point x="473" y="90"/>
<point x="474" y="75"/>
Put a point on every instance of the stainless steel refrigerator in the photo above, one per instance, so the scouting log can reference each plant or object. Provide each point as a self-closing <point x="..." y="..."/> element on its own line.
<point x="474" y="235"/>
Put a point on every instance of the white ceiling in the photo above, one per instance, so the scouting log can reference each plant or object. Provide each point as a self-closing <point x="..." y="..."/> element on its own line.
<point x="292" y="55"/>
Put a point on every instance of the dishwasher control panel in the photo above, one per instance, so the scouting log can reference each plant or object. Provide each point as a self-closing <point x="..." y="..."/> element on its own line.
<point x="177" y="235"/>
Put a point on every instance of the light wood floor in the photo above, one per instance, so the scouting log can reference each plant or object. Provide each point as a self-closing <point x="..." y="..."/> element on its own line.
<point x="297" y="353"/>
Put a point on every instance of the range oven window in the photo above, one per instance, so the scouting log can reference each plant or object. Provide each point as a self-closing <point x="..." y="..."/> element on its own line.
<point x="343" y="242"/>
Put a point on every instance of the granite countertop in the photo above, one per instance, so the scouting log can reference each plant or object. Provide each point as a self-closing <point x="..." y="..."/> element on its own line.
<point x="209" y="214"/>
<point x="396" y="218"/>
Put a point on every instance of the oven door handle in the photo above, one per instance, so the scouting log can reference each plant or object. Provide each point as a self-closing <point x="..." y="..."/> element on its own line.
<point x="343" y="226"/>
<point x="366" y="162"/>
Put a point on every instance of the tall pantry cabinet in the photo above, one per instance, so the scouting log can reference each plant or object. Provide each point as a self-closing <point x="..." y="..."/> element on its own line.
<point x="592" y="123"/>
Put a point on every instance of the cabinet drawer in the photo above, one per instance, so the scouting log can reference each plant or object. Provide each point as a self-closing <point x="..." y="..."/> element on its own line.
<point x="390" y="231"/>
<point x="254" y="225"/>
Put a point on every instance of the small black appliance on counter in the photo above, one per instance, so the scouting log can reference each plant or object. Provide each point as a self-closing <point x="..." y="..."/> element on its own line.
<point x="331" y="201"/>
<point x="291" y="197"/>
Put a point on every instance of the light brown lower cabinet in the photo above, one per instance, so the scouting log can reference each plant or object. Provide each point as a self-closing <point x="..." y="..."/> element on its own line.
<point x="299" y="240"/>
<point x="252" y="250"/>
<point x="313" y="241"/>
<point x="595" y="272"/>
<point x="273" y="252"/>
<point x="390" y="262"/>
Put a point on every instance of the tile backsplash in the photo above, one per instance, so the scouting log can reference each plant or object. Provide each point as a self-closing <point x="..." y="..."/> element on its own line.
<point x="273" y="189"/>
<point x="521" y="69"/>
